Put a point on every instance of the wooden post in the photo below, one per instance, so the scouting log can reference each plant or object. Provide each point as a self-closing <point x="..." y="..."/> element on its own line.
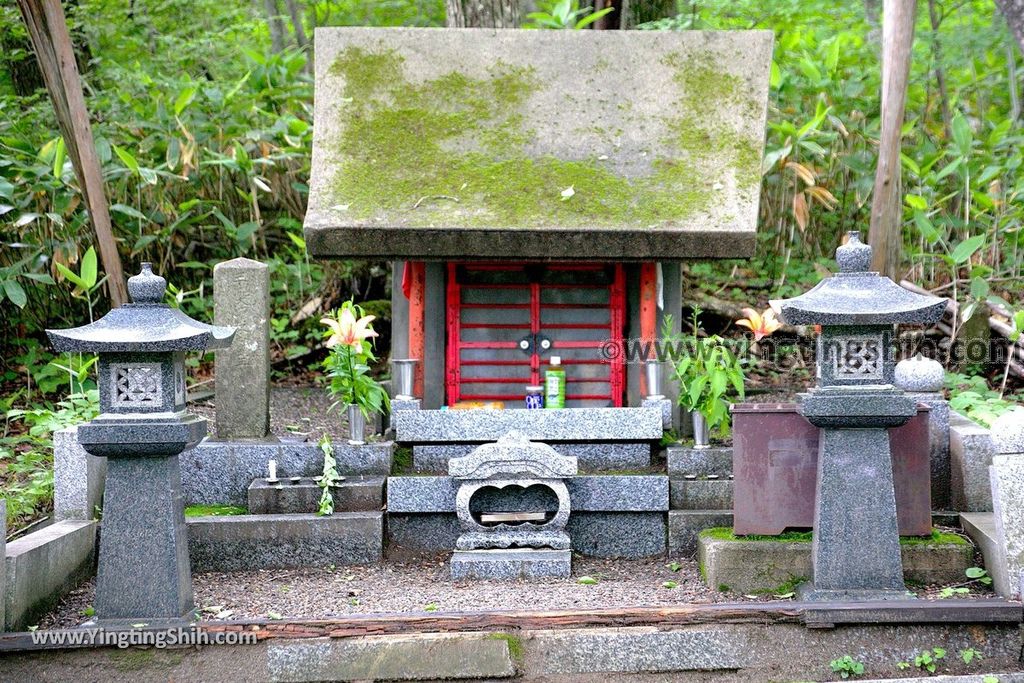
<point x="648" y="313"/>
<point x="417" y="305"/>
<point x="51" y="41"/>
<point x="886" y="203"/>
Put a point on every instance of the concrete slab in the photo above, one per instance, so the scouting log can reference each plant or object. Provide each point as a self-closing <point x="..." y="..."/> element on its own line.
<point x="510" y="564"/>
<point x="970" y="453"/>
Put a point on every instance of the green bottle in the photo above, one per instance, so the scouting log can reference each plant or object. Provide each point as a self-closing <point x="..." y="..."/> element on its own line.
<point x="554" y="384"/>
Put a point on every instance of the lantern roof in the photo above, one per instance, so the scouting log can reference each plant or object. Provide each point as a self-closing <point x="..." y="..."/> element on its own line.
<point x="146" y="325"/>
<point x="857" y="296"/>
<point x="437" y="144"/>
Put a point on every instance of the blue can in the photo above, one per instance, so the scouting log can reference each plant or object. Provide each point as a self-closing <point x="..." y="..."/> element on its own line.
<point x="534" y="396"/>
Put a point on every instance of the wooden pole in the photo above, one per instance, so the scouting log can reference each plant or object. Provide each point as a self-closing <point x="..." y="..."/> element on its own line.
<point x="417" y="307"/>
<point x="886" y="204"/>
<point x="51" y="42"/>
<point x="648" y="313"/>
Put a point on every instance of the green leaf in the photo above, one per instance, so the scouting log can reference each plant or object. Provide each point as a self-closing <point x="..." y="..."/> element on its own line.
<point x="916" y="201"/>
<point x="775" y="75"/>
<point x="15" y="293"/>
<point x="296" y="240"/>
<point x="59" y="155"/>
<point x="979" y="287"/>
<point x="184" y="99"/>
<point x="670" y="585"/>
<point x="126" y="158"/>
<point x="962" y="134"/>
<point x="587" y="581"/>
<point x="129" y="211"/>
<point x="88" y="271"/>
<point x="925" y="227"/>
<point x="966" y="249"/>
<point x="71" y="276"/>
<point x="975" y="572"/>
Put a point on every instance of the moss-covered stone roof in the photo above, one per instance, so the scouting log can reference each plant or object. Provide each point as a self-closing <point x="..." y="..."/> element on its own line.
<point x="434" y="143"/>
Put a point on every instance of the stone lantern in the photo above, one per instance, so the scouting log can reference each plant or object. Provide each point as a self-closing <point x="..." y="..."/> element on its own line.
<point x="144" y="573"/>
<point x="856" y="548"/>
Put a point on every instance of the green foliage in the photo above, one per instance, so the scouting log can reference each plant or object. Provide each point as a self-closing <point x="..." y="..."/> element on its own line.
<point x="328" y="478"/>
<point x="929" y="659"/>
<point x="708" y="373"/>
<point x="348" y="364"/>
<point x="969" y="654"/>
<point x="563" y="14"/>
<point x="846" y="666"/>
<point x="971" y="396"/>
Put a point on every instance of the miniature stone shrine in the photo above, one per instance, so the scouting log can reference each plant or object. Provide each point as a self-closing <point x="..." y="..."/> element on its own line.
<point x="856" y="551"/>
<point x="509" y="543"/>
<point x="144" y="572"/>
<point x="514" y="242"/>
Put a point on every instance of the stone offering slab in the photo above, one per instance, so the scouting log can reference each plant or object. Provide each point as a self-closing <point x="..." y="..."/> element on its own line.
<point x="591" y="457"/>
<point x="454" y="143"/>
<point x="571" y="424"/>
<point x="510" y="564"/>
<point x="354" y="494"/>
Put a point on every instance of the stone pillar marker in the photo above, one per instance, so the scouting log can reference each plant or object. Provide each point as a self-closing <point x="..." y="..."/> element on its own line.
<point x="1006" y="474"/>
<point x="241" y="299"/>
<point x="856" y="548"/>
<point x="923" y="379"/>
<point x="144" y="573"/>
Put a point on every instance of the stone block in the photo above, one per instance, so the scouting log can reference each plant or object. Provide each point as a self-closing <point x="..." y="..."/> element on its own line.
<point x="591" y="457"/>
<point x="405" y="404"/>
<point x="43" y="566"/>
<point x="1007" y="472"/>
<point x="938" y="435"/>
<point x="248" y="542"/>
<point x="970" y="453"/>
<point x="700" y="494"/>
<point x="421" y="656"/>
<point x="649" y="650"/>
<point x="219" y="472"/>
<point x="587" y="493"/>
<point x="354" y="494"/>
<point x="761" y="567"/>
<point x="630" y="535"/>
<point x="626" y="535"/>
<point x="981" y="528"/>
<point x="683" y="460"/>
<point x="684" y="525"/>
<point x="510" y="564"/>
<point x="665" y="406"/>
<point x="78" y="478"/>
<point x="241" y="299"/>
<point x="573" y="424"/>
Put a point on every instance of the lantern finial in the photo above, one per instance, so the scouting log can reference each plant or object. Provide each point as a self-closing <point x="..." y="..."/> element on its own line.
<point x="147" y="287"/>
<point x="854" y="256"/>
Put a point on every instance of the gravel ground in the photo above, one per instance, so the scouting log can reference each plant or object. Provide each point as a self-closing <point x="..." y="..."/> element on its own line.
<point x="425" y="586"/>
<point x="293" y="410"/>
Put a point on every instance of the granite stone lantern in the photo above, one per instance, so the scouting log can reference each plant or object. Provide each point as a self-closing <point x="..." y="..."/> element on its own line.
<point x="144" y="573"/>
<point x="856" y="550"/>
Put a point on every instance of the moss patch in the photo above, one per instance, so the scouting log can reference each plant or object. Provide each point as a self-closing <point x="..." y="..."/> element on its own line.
<point x="454" y="150"/>
<point x="936" y="538"/>
<point x="515" y="647"/>
<point x="214" y="510"/>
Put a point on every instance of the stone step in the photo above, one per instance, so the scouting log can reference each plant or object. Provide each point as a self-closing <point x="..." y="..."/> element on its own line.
<point x="700" y="494"/>
<point x="981" y="528"/>
<point x="248" y="542"/>
<point x="567" y="425"/>
<point x="685" y="525"/>
<point x="683" y="460"/>
<point x="354" y="494"/>
<point x="592" y="457"/>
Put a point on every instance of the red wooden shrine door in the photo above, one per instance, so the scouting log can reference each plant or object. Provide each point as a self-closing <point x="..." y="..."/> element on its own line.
<point x="505" y="320"/>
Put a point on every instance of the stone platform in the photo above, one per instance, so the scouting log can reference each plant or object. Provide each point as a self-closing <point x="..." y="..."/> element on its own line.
<point x="511" y="564"/>
<point x="354" y="494"/>
<point x="592" y="457"/>
<point x="758" y="567"/>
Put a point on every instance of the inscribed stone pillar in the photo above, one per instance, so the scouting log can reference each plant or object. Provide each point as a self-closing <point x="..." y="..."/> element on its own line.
<point x="1007" y="477"/>
<point x="241" y="299"/>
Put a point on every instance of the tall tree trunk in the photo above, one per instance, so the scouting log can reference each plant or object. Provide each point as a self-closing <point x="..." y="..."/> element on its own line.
<point x="482" y="13"/>
<point x="940" y="74"/>
<point x="1013" y="10"/>
<point x="886" y="206"/>
<point x="296" y="17"/>
<point x="51" y="41"/>
<point x="274" y="25"/>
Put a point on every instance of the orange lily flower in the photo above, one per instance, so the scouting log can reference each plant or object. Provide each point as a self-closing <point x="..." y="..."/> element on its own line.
<point x="761" y="324"/>
<point x="346" y="330"/>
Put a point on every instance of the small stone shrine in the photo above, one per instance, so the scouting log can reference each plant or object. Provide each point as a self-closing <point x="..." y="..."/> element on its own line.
<point x="144" y="573"/>
<point x="500" y="538"/>
<point x="856" y="550"/>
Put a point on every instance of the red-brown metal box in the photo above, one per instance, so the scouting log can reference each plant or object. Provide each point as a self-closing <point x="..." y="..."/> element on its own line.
<point x="775" y="460"/>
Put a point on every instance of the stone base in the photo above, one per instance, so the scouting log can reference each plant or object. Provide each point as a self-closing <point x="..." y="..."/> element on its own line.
<point x="354" y="494"/>
<point x="683" y="460"/>
<point x="570" y="424"/>
<point x="808" y="593"/>
<point x="405" y="404"/>
<point x="761" y="567"/>
<point x="685" y="525"/>
<point x="700" y="494"/>
<point x="665" y="406"/>
<point x="592" y="457"/>
<point x="510" y="565"/>
<point x="248" y="542"/>
<point x="219" y="472"/>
